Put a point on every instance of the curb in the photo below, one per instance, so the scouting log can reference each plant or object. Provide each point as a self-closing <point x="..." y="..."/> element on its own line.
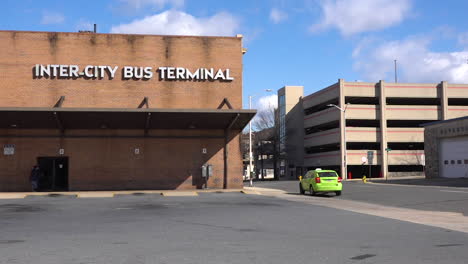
<point x="112" y="194"/>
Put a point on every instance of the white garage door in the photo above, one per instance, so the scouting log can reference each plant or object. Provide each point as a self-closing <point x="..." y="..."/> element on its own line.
<point x="453" y="157"/>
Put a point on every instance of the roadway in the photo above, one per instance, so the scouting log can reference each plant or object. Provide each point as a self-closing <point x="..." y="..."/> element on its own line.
<point x="216" y="228"/>
<point x="418" y="194"/>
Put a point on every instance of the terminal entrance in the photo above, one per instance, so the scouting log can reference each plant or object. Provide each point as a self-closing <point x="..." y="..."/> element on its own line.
<point x="54" y="173"/>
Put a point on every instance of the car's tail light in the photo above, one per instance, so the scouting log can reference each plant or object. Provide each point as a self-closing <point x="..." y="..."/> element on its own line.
<point x="317" y="180"/>
<point x="339" y="179"/>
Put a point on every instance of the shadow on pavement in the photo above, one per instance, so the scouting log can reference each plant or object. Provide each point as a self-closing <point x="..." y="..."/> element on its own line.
<point x="318" y="195"/>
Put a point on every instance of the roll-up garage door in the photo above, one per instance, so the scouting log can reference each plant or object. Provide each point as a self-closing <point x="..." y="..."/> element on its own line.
<point x="453" y="157"/>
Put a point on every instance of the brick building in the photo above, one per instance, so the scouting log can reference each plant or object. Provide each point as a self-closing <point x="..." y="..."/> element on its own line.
<point x="445" y="146"/>
<point x="113" y="111"/>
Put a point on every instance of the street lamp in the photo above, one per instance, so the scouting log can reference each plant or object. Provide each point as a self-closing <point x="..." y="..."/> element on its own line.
<point x="250" y="140"/>
<point x="345" y="176"/>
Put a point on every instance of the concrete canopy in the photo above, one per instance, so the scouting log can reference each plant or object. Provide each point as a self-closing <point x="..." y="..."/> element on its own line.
<point x="123" y="118"/>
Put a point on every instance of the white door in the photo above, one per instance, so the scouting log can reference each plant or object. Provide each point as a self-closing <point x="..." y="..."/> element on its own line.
<point x="453" y="157"/>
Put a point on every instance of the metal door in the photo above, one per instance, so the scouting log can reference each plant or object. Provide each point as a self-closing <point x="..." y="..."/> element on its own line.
<point x="453" y="157"/>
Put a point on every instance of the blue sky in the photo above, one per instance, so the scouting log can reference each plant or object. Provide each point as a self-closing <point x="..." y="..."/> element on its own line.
<point x="298" y="42"/>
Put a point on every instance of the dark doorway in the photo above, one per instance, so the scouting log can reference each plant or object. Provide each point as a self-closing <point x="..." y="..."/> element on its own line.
<point x="55" y="173"/>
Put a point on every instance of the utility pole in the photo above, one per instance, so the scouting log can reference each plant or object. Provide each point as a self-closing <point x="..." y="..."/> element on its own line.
<point x="396" y="78"/>
<point x="250" y="145"/>
<point x="250" y="141"/>
<point x="345" y="158"/>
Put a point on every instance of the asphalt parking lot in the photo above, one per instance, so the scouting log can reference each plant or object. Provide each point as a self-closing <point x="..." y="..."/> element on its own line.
<point x="212" y="228"/>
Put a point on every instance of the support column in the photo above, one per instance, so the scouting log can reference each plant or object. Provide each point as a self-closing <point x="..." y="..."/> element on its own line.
<point x="342" y="105"/>
<point x="383" y="129"/>
<point x="444" y="101"/>
<point x="227" y="131"/>
<point x="225" y="157"/>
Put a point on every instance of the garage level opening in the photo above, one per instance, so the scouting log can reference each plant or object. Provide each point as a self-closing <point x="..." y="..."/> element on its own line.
<point x="54" y="173"/>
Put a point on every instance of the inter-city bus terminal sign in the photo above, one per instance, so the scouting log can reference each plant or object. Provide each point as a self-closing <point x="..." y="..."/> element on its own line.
<point x="63" y="71"/>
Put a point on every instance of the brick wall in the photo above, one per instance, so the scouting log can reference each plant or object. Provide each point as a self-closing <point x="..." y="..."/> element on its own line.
<point x="20" y="51"/>
<point x="100" y="163"/>
<point x="432" y="137"/>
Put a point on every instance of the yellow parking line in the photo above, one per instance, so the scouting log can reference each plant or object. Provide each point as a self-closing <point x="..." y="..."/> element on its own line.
<point x="95" y="195"/>
<point x="12" y="195"/>
<point x="177" y="193"/>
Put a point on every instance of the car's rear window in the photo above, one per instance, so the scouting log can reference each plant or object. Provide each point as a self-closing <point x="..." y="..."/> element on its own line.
<point x="327" y="174"/>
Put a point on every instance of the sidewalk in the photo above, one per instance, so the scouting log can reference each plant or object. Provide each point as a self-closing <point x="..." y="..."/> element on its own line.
<point x="110" y="194"/>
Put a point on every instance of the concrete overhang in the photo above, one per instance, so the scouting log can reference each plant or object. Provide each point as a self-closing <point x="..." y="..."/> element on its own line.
<point x="123" y="118"/>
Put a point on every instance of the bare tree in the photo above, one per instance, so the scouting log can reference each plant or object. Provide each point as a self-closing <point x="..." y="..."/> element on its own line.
<point x="264" y="119"/>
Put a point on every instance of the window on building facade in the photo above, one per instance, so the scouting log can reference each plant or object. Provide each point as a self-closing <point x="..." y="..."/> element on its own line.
<point x="282" y="121"/>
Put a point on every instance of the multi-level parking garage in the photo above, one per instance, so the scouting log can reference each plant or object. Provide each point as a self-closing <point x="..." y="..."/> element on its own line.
<point x="379" y="121"/>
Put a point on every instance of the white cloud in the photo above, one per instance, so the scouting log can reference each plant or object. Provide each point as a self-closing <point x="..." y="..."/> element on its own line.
<point x="179" y="23"/>
<point x="52" y="18"/>
<point x="267" y="102"/>
<point x="416" y="62"/>
<point x="158" y="4"/>
<point x="277" y="16"/>
<point x="357" y="16"/>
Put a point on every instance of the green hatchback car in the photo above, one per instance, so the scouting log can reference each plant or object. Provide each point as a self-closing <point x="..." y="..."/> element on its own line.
<point x="321" y="181"/>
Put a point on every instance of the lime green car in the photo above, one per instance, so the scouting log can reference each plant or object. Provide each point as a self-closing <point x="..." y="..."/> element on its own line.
<point x="321" y="181"/>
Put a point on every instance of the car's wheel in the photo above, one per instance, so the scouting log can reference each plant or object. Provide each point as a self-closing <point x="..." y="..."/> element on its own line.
<point x="338" y="193"/>
<point x="312" y="192"/>
<point x="301" y="190"/>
